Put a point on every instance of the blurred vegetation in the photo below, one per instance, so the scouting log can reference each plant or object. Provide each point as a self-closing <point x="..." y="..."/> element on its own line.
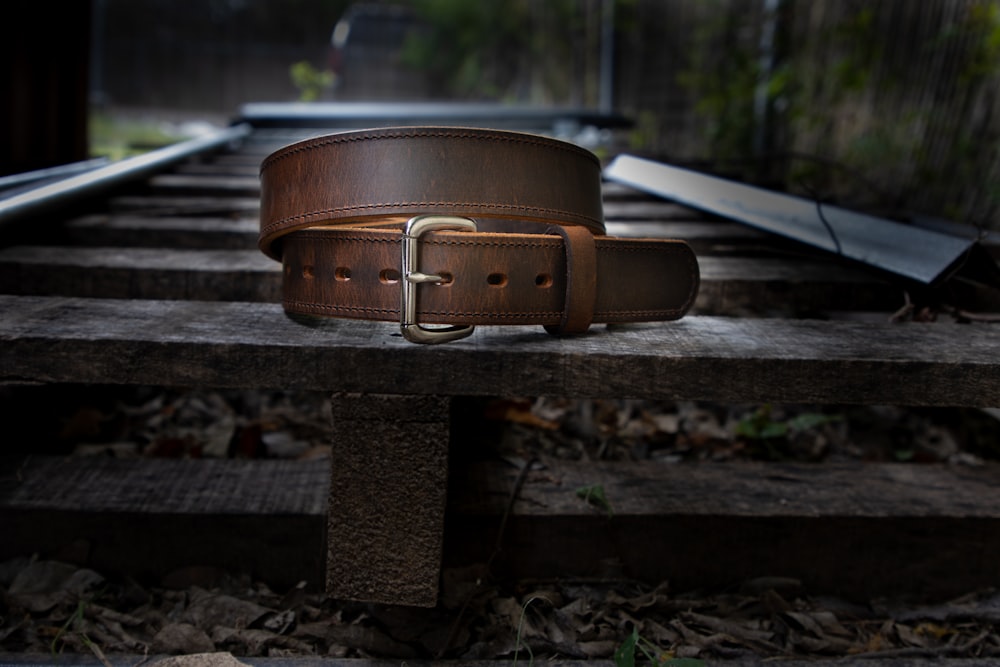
<point x="115" y="137"/>
<point x="310" y="81"/>
<point x="900" y="98"/>
<point x="885" y="104"/>
<point x="508" y="50"/>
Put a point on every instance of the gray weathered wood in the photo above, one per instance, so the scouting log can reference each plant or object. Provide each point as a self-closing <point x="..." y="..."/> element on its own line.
<point x="218" y="185"/>
<point x="729" y="284"/>
<point x="145" y="273"/>
<point x="706" y="238"/>
<point x="218" y="233"/>
<point x="188" y="205"/>
<point x="856" y="530"/>
<point x="56" y="339"/>
<point x="145" y="518"/>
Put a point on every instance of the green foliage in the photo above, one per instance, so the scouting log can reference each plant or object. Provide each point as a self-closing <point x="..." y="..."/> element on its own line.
<point x="310" y="81"/>
<point x="912" y="110"/>
<point x="488" y="50"/>
<point x="520" y="630"/>
<point x="982" y="23"/>
<point x="594" y="495"/>
<point x="723" y="76"/>
<point x="625" y="655"/>
<point x="116" y="138"/>
<point x="770" y="435"/>
<point x="860" y="49"/>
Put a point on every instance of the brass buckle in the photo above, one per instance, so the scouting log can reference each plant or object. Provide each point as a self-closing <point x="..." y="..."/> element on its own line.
<point x="412" y="330"/>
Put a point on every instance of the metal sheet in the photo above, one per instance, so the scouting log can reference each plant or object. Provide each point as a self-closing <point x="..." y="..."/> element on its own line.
<point x="370" y="114"/>
<point x="912" y="252"/>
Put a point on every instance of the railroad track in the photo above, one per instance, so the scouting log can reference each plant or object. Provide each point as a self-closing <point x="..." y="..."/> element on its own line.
<point x="157" y="280"/>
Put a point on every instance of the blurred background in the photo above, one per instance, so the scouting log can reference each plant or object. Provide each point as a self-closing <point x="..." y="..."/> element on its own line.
<point x="885" y="105"/>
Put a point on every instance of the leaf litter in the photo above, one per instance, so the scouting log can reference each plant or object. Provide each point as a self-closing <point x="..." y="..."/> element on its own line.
<point x="49" y="606"/>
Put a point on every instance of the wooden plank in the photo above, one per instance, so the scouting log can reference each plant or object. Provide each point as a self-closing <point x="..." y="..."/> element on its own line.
<point x="186" y="343"/>
<point x="859" y="530"/>
<point x="133" y="229"/>
<point x="218" y="233"/>
<point x="240" y="232"/>
<point x="166" y="486"/>
<point x="188" y="205"/>
<point x="150" y="273"/>
<point x="204" y="185"/>
<point x="215" y="168"/>
<point x="728" y="284"/>
<point x="854" y="530"/>
<point x="650" y="209"/>
<point x="147" y="517"/>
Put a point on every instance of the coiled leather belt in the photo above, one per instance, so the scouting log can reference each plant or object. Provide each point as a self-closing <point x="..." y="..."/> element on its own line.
<point x="459" y="227"/>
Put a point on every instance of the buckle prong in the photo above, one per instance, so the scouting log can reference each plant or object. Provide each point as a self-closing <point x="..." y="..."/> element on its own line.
<point x="412" y="330"/>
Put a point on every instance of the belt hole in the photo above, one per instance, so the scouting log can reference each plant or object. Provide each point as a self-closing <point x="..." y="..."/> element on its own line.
<point x="307" y="272"/>
<point x="342" y="273"/>
<point x="543" y="280"/>
<point x="446" y="278"/>
<point x="496" y="279"/>
<point x="388" y="276"/>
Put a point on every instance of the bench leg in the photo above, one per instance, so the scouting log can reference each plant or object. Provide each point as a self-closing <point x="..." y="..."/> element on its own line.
<point x="388" y="487"/>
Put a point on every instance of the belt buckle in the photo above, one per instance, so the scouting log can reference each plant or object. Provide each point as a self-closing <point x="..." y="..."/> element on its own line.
<point x="412" y="330"/>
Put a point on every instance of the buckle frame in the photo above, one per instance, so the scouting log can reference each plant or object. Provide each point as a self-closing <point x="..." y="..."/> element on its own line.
<point x="411" y="329"/>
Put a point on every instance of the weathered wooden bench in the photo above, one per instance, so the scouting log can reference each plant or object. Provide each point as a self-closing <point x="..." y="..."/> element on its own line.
<point x="164" y="286"/>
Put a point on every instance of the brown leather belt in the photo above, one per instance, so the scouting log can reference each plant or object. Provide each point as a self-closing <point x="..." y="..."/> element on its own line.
<point x="461" y="227"/>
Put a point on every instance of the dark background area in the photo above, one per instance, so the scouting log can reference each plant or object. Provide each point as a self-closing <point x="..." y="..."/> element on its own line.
<point x="884" y="105"/>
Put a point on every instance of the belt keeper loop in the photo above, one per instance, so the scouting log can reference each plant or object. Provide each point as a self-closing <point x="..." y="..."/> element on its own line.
<point x="581" y="280"/>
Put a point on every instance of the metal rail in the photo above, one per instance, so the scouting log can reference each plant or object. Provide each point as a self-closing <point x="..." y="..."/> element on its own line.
<point x="917" y="254"/>
<point x="61" y="171"/>
<point x="75" y="189"/>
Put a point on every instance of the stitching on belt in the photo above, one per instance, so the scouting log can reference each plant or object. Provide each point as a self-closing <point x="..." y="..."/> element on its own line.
<point x="352" y="138"/>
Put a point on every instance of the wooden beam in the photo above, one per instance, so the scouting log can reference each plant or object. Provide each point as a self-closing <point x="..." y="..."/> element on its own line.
<point x="147" y="517"/>
<point x="853" y="529"/>
<point x="149" y="273"/>
<point x="252" y="345"/>
<point x="706" y="238"/>
<point x="215" y="233"/>
<point x="728" y="284"/>
<point x="388" y="486"/>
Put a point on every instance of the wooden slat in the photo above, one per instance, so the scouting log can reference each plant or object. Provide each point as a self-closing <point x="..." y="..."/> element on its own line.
<point x="856" y="530"/>
<point x="166" y="486"/>
<point x="56" y="339"/>
<point x="218" y="233"/>
<point x="728" y="284"/>
<point x="860" y="530"/>
<point x="649" y="209"/>
<point x="147" y="517"/>
<point x="149" y="273"/>
<point x="214" y="185"/>
<point x="240" y="231"/>
<point x="216" y="168"/>
<point x="189" y="205"/>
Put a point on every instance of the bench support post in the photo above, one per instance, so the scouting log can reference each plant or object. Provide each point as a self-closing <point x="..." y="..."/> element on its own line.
<point x="388" y="488"/>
